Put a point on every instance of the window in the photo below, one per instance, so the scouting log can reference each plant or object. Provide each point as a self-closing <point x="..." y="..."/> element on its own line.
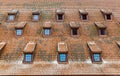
<point x="47" y="31"/>
<point x="62" y="57"/>
<point x="11" y="17"/>
<point x="19" y="32"/>
<point x="35" y="17"/>
<point x="96" y="57"/>
<point x="102" y="32"/>
<point x="108" y="17"/>
<point x="84" y="17"/>
<point x="74" y="31"/>
<point x="28" y="57"/>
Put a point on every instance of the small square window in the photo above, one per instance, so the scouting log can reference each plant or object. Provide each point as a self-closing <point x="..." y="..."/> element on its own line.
<point x="60" y="16"/>
<point x="84" y="17"/>
<point x="28" y="57"/>
<point x="11" y="17"/>
<point x="19" y="32"/>
<point x="47" y="31"/>
<point x="74" y="31"/>
<point x="96" y="57"/>
<point x="102" y="31"/>
<point x="35" y="17"/>
<point x="108" y="17"/>
<point x="63" y="57"/>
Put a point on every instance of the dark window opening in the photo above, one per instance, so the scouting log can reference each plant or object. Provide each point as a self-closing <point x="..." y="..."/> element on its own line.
<point x="74" y="31"/>
<point x="102" y="32"/>
<point x="60" y="16"/>
<point x="84" y="17"/>
<point x="108" y="17"/>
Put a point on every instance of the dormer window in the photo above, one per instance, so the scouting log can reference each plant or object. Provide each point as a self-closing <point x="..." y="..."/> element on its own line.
<point x="59" y="15"/>
<point x="12" y="15"/>
<point x="83" y="15"/>
<point x="101" y="28"/>
<point x="74" y="29"/>
<point x="95" y="52"/>
<point x="20" y="28"/>
<point x="35" y="15"/>
<point x="47" y="29"/>
<point x="107" y="14"/>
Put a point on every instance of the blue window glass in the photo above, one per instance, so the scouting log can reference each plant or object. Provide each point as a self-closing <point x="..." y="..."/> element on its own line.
<point x="35" y="17"/>
<point x="63" y="57"/>
<point x="19" y="31"/>
<point x="11" y="17"/>
<point x="96" y="57"/>
<point x="47" y="31"/>
<point x="28" y="57"/>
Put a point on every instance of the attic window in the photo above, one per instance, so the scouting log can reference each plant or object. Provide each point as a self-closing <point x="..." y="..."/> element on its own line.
<point x="28" y="57"/>
<point x="95" y="52"/>
<point x="74" y="29"/>
<point x="12" y="15"/>
<point x="62" y="57"/>
<point x="60" y="15"/>
<point x="29" y="52"/>
<point x="47" y="31"/>
<point x="35" y="15"/>
<point x="97" y="57"/>
<point x="107" y="14"/>
<point x="62" y="52"/>
<point x="19" y="28"/>
<point x="47" y="28"/>
<point x="19" y="32"/>
<point x="101" y="28"/>
<point x="83" y="14"/>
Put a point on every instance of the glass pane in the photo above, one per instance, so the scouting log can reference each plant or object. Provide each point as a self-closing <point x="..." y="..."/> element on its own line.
<point x="96" y="57"/>
<point x="63" y="57"/>
<point x="35" y="17"/>
<point x="19" y="32"/>
<point x="47" y="31"/>
<point x="11" y="17"/>
<point x="28" y="57"/>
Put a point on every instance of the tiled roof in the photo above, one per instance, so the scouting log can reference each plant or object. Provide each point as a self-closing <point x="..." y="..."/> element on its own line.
<point x="106" y="11"/>
<point x="20" y="25"/>
<point x="94" y="47"/>
<point x="100" y="25"/>
<point x="30" y="47"/>
<point x="62" y="47"/>
<point x="73" y="25"/>
<point x="47" y="25"/>
<point x="2" y="45"/>
<point x="83" y="11"/>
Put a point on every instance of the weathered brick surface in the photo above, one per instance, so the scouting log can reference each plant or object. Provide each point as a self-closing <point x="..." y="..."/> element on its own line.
<point x="46" y="49"/>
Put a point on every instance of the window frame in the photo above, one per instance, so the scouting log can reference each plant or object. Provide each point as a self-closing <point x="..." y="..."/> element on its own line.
<point x="66" y="60"/>
<point x="34" y="15"/>
<point x="24" y="60"/>
<point x="57" y="16"/>
<point x="21" y="32"/>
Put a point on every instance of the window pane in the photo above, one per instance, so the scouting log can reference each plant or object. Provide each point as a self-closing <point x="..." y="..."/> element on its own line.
<point x="28" y="57"/>
<point x="84" y="17"/>
<point x="108" y="17"/>
<point x="96" y="57"/>
<point x="60" y="16"/>
<point x="74" y="31"/>
<point x="35" y="17"/>
<point x="63" y="57"/>
<point x="19" y="32"/>
<point x="47" y="31"/>
<point x="11" y="17"/>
